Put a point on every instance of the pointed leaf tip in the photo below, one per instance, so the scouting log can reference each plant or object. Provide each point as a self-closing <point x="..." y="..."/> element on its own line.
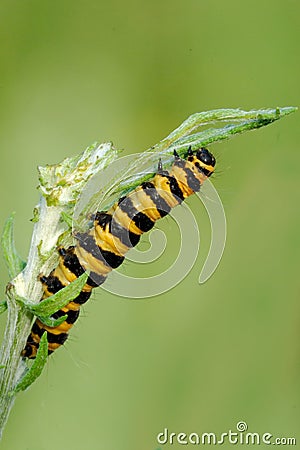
<point x="36" y="369"/>
<point x="14" y="262"/>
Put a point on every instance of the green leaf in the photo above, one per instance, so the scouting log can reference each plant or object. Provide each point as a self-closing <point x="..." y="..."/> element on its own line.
<point x="67" y="218"/>
<point x="14" y="262"/>
<point x="144" y="165"/>
<point x="257" y="118"/>
<point x="50" y="305"/>
<point x="50" y="322"/>
<point x="3" y="306"/>
<point x="36" y="369"/>
<point x="218" y="134"/>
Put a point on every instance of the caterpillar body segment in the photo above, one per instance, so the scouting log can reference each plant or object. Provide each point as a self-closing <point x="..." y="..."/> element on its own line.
<point x="114" y="232"/>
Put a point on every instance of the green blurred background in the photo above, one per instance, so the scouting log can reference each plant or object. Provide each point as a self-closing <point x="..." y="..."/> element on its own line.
<point x="198" y="358"/>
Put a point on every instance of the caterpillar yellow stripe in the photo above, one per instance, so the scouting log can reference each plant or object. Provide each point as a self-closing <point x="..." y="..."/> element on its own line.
<point x="114" y="232"/>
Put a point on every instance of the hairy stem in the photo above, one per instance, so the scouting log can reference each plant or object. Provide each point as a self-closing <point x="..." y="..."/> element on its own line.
<point x="18" y="320"/>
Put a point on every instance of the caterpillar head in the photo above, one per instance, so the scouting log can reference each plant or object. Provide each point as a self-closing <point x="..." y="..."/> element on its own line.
<point x="203" y="160"/>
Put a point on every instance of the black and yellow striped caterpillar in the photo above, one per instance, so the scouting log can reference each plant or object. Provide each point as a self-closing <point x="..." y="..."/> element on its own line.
<point x="114" y="232"/>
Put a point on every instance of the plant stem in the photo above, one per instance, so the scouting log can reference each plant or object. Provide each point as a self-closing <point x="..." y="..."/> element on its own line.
<point x="19" y="321"/>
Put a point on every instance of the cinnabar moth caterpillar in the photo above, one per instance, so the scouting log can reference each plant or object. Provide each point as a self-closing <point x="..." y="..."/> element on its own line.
<point x="114" y="232"/>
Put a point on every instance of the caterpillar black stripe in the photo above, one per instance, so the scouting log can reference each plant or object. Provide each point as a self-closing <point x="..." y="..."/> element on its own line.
<point x="114" y="232"/>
